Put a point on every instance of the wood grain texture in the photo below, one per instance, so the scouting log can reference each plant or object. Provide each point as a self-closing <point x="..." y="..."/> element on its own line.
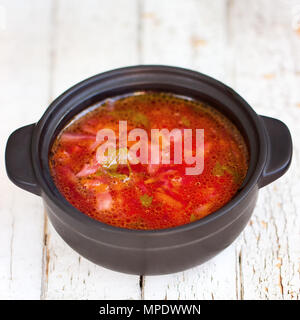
<point x="82" y="46"/>
<point x="253" y="46"/>
<point x="261" y="47"/>
<point x="24" y="73"/>
<point x="266" y="74"/>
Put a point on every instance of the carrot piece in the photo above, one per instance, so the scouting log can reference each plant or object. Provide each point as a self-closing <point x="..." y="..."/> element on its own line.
<point x="201" y="212"/>
<point x="168" y="200"/>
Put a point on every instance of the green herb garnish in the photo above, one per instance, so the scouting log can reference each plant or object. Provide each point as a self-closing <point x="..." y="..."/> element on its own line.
<point x="219" y="171"/>
<point x="193" y="218"/>
<point x="185" y="121"/>
<point x="146" y="200"/>
<point x="120" y="176"/>
<point x="99" y="173"/>
<point x="111" y="159"/>
<point x="137" y="118"/>
<point x="140" y="119"/>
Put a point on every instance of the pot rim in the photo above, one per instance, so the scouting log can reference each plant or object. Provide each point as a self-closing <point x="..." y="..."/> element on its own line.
<point x="81" y="218"/>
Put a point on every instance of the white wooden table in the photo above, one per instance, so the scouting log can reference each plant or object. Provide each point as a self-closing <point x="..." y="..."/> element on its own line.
<point x="49" y="45"/>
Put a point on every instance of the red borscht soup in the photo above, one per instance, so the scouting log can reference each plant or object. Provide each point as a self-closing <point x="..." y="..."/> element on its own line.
<point x="148" y="194"/>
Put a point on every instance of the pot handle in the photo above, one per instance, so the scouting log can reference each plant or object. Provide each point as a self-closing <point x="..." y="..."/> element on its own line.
<point x="280" y="150"/>
<point x="18" y="159"/>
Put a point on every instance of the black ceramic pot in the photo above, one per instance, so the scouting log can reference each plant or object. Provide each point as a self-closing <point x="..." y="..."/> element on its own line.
<point x="157" y="251"/>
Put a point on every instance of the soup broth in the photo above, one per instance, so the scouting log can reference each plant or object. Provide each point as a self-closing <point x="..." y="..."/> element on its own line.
<point x="148" y="195"/>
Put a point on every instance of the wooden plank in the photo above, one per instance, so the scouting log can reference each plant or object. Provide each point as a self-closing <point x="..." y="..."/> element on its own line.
<point x="212" y="280"/>
<point x="267" y="73"/>
<point x="24" y="64"/>
<point x="88" y="37"/>
<point x="190" y="34"/>
<point x="92" y="37"/>
<point x="261" y="47"/>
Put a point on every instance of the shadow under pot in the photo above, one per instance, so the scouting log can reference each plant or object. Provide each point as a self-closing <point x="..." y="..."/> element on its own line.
<point x="149" y="252"/>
